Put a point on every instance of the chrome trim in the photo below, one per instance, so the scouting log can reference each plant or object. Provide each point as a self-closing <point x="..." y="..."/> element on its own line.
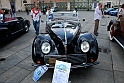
<point x="119" y="43"/>
<point x="85" y="65"/>
<point x="17" y="31"/>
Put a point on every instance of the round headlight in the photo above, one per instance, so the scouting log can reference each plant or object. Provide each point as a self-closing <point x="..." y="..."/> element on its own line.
<point x="45" y="47"/>
<point x="85" y="46"/>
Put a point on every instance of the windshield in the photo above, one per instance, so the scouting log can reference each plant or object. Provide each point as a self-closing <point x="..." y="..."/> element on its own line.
<point x="65" y="15"/>
<point x="63" y="24"/>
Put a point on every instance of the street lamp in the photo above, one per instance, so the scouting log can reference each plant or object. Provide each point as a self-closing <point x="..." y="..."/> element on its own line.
<point x="0" y="4"/>
<point x="88" y="6"/>
<point x="119" y="4"/>
<point x="50" y="3"/>
<point x="43" y="3"/>
<point x="74" y="4"/>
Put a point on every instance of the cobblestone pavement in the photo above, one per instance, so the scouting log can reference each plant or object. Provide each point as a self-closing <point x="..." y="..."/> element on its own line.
<point x="17" y="68"/>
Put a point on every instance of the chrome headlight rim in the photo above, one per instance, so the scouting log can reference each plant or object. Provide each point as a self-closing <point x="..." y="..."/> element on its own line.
<point x="85" y="46"/>
<point x="45" y="47"/>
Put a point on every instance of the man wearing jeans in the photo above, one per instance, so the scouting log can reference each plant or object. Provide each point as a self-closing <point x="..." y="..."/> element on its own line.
<point x="97" y="18"/>
<point x="36" y="15"/>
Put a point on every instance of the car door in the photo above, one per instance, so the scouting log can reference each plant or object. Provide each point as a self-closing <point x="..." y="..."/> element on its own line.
<point x="11" y="26"/>
<point x="19" y="25"/>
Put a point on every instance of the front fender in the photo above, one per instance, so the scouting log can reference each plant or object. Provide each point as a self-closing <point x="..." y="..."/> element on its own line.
<point x="36" y="47"/>
<point x="93" y="52"/>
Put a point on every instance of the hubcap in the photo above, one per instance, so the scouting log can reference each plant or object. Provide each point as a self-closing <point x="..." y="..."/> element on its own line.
<point x="26" y="28"/>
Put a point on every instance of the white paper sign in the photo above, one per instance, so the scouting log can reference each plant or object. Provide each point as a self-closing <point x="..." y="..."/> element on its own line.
<point x="39" y="72"/>
<point x="61" y="72"/>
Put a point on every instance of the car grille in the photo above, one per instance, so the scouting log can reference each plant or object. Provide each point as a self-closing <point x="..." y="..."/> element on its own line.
<point x="74" y="59"/>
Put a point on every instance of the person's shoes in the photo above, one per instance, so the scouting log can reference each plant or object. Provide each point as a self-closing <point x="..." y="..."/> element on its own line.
<point x="95" y="34"/>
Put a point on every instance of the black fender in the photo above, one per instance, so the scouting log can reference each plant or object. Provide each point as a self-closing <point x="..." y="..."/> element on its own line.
<point x="4" y="31"/>
<point x="37" y="54"/>
<point x="94" y="50"/>
<point x="4" y="34"/>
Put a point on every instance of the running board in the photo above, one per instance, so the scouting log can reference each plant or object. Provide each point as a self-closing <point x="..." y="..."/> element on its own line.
<point x="120" y="41"/>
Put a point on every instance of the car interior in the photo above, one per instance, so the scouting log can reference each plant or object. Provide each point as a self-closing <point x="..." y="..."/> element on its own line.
<point x="4" y="18"/>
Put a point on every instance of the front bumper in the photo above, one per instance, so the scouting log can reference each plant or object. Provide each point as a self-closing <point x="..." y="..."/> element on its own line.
<point x="76" y="60"/>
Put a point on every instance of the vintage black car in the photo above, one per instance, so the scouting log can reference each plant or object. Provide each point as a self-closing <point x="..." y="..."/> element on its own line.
<point x="64" y="41"/>
<point x="10" y="27"/>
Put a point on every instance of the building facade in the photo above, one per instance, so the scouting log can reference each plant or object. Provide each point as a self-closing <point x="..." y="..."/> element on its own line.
<point x="18" y="5"/>
<point x="110" y="3"/>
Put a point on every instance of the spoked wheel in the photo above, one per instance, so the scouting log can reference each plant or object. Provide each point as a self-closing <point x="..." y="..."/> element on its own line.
<point x="111" y="34"/>
<point x="26" y="28"/>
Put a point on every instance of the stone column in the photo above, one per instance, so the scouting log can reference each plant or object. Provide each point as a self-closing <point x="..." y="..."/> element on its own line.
<point x="68" y="5"/>
<point x="54" y="4"/>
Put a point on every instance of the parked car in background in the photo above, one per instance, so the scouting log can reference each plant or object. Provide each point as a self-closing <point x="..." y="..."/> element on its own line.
<point x="113" y="13"/>
<point x="54" y="9"/>
<point x="64" y="41"/>
<point x="10" y="27"/>
<point x="106" y="12"/>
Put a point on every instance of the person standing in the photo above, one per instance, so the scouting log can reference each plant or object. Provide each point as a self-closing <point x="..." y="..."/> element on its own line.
<point x="10" y="13"/>
<point x="14" y="12"/>
<point x="2" y="15"/>
<point x="36" y="15"/>
<point x="27" y="11"/>
<point x="97" y="17"/>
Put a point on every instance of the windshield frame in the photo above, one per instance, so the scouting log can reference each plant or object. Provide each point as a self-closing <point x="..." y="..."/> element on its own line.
<point x="63" y="16"/>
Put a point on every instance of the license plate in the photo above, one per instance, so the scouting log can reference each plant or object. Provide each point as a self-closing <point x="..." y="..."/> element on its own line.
<point x="52" y="60"/>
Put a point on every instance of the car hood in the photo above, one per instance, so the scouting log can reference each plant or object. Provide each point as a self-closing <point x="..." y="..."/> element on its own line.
<point x="70" y="33"/>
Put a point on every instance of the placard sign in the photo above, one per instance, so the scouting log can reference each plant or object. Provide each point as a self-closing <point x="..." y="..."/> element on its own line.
<point x="61" y="72"/>
<point x="39" y="72"/>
